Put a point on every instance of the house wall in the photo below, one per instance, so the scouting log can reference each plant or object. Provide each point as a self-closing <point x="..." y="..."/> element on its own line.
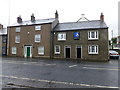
<point x="0" y="45"/>
<point x="4" y="45"/>
<point x="29" y="39"/>
<point x="102" y="42"/>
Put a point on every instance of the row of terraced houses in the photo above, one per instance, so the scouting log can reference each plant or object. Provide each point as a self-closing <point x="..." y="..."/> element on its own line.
<point x="47" y="38"/>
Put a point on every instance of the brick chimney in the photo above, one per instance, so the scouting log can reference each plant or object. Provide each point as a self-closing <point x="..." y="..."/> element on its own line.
<point x="102" y="17"/>
<point x="1" y="26"/>
<point x="19" y="19"/>
<point x="32" y="18"/>
<point x="56" y="15"/>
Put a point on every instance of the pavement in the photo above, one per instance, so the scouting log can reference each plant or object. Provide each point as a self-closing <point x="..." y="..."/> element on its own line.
<point x="45" y="73"/>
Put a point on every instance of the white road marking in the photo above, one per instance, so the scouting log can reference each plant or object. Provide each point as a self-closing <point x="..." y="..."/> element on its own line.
<point x="72" y="66"/>
<point x="50" y="64"/>
<point x="58" y="82"/>
<point x="32" y="63"/>
<point x="100" y="68"/>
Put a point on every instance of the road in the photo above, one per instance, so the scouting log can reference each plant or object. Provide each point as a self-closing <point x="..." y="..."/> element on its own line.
<point x="44" y="73"/>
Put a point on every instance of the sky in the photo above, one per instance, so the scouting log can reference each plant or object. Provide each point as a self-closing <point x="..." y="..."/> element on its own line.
<point x="69" y="11"/>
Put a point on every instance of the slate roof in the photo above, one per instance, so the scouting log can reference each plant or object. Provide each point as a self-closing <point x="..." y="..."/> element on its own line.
<point x="94" y="24"/>
<point x="37" y="21"/>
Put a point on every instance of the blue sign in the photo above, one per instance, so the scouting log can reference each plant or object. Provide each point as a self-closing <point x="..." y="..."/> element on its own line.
<point x="76" y="35"/>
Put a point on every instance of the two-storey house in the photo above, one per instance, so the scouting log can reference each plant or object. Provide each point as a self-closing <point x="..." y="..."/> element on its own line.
<point x="85" y="40"/>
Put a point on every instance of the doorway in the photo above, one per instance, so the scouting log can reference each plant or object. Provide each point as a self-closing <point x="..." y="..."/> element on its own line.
<point x="67" y="51"/>
<point x="79" y="53"/>
<point x="27" y="51"/>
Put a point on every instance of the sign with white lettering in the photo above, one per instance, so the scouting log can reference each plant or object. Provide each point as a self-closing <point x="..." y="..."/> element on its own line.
<point x="76" y="35"/>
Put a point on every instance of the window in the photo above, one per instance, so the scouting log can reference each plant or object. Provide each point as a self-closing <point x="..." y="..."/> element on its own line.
<point x="17" y="39"/>
<point x="37" y="27"/>
<point x="57" y="49"/>
<point x="18" y="29"/>
<point x="37" y="38"/>
<point x="3" y="50"/>
<point x="61" y="36"/>
<point x="4" y="39"/>
<point x="92" y="35"/>
<point x="41" y="50"/>
<point x="14" y="50"/>
<point x="93" y="49"/>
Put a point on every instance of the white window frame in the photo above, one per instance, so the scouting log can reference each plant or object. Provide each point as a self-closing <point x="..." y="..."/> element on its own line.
<point x="18" y="29"/>
<point x="14" y="50"/>
<point x="90" y="51"/>
<point x="38" y="27"/>
<point x="17" y="39"/>
<point x="39" y="50"/>
<point x="38" y="36"/>
<point x="56" y="49"/>
<point x="63" y="38"/>
<point x="96" y="35"/>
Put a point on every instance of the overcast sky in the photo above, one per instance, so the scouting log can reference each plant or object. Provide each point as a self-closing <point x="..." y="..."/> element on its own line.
<point x="69" y="10"/>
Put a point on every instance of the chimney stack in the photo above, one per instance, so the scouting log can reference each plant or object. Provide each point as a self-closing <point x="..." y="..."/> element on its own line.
<point x="56" y="15"/>
<point x="32" y="18"/>
<point x="19" y="19"/>
<point x="102" y="17"/>
<point x="1" y="26"/>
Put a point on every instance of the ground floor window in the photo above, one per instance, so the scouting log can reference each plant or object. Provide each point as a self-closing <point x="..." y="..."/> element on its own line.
<point x="14" y="49"/>
<point x="93" y="49"/>
<point x="57" y="49"/>
<point x="4" y="50"/>
<point x="41" y="50"/>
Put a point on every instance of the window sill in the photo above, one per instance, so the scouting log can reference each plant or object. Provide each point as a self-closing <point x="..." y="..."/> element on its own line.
<point x="93" y="53"/>
<point x="41" y="54"/>
<point x="61" y="40"/>
<point x="93" y="39"/>
<point x="57" y="53"/>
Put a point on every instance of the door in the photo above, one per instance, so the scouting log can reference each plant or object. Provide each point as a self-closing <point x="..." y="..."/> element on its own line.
<point x="28" y="51"/>
<point x="67" y="52"/>
<point x="78" y="52"/>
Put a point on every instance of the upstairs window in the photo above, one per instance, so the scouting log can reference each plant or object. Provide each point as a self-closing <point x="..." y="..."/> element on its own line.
<point x="93" y="49"/>
<point x="92" y="35"/>
<point x="61" y="36"/>
<point x="18" y="29"/>
<point x="41" y="50"/>
<point x="57" y="49"/>
<point x="37" y="38"/>
<point x="4" y="39"/>
<point x="37" y="27"/>
<point x="17" y="39"/>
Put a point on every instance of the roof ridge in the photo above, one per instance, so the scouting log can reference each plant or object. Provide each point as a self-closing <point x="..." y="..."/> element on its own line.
<point x="78" y="22"/>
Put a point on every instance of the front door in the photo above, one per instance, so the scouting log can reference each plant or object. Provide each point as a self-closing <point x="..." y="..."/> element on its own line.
<point x="27" y="51"/>
<point x="67" y="51"/>
<point x="78" y="52"/>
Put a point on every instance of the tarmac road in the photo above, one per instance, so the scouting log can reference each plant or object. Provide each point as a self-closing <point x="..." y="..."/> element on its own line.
<point x="44" y="73"/>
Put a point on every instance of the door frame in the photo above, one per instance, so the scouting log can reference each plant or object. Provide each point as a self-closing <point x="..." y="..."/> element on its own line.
<point x="81" y="51"/>
<point x="25" y="50"/>
<point x="67" y="46"/>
